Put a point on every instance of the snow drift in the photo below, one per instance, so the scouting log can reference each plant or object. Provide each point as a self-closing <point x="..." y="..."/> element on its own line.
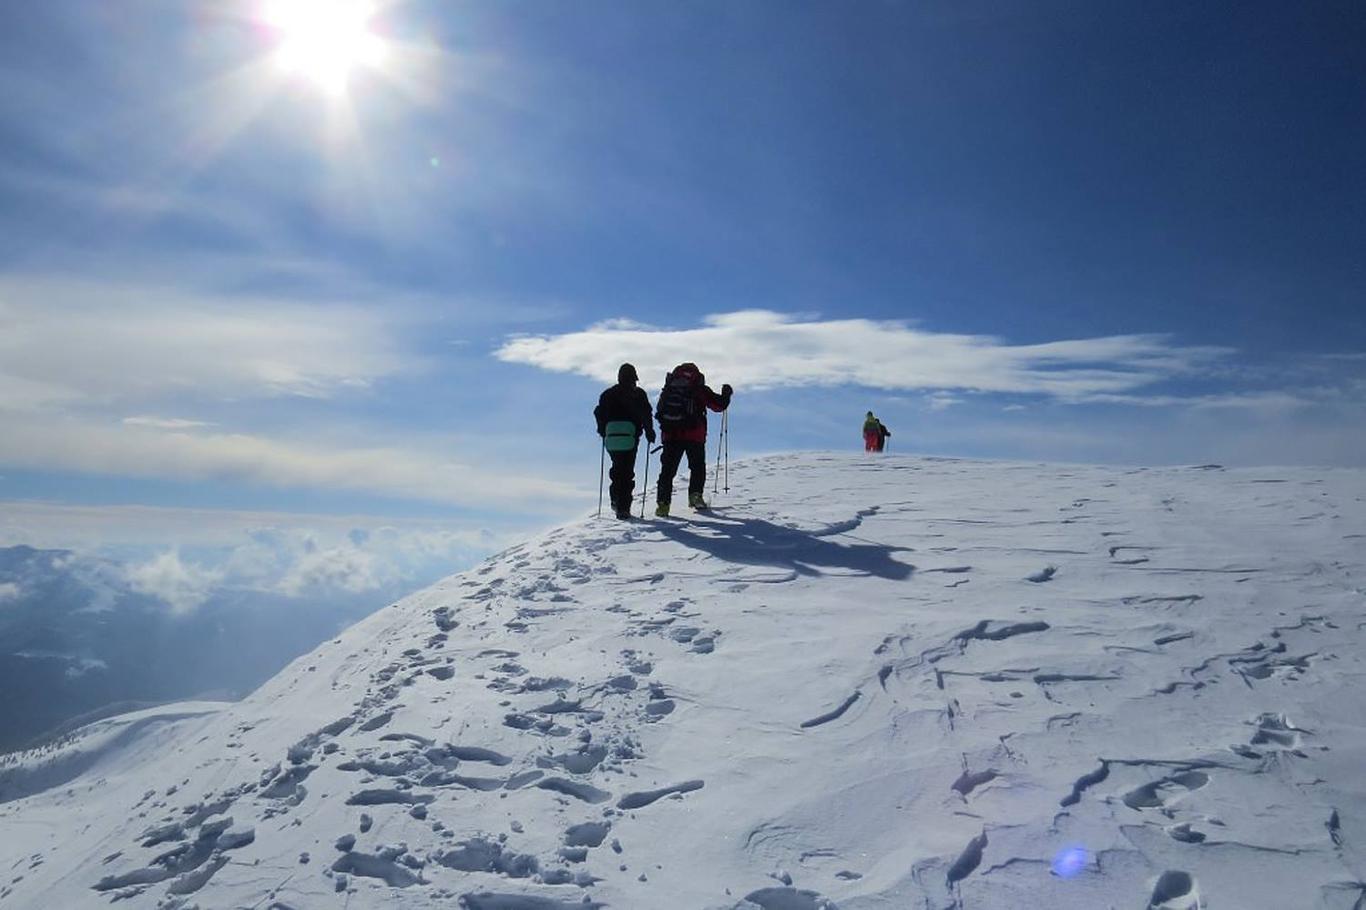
<point x="861" y="683"/>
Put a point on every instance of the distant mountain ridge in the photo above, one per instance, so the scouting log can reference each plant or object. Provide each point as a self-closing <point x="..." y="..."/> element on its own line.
<point x="75" y="637"/>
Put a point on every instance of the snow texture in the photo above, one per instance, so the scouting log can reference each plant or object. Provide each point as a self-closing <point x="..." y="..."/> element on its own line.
<point x="860" y="683"/>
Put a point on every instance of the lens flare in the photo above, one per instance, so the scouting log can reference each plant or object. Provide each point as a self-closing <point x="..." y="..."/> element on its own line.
<point x="1070" y="861"/>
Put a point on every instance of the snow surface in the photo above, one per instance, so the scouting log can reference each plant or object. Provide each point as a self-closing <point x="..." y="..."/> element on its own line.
<point x="863" y="682"/>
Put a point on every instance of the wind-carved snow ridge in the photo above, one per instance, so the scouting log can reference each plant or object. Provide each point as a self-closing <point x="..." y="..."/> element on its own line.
<point x="859" y="683"/>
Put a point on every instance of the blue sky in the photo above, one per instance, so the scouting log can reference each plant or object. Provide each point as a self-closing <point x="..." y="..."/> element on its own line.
<point x="1092" y="231"/>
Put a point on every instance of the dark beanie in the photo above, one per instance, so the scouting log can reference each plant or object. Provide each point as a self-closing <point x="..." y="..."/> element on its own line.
<point x="627" y="373"/>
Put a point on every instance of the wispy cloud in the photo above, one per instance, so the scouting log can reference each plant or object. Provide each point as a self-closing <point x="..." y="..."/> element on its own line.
<point x="761" y="349"/>
<point x="135" y="378"/>
<point x="63" y="526"/>
<point x="941" y="401"/>
<point x="101" y="447"/>
<point x="165" y="423"/>
<point x="8" y="591"/>
<point x="1263" y="401"/>
<point x="66" y="343"/>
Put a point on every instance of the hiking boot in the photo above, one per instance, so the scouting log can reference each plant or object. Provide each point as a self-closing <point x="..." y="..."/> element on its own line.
<point x="624" y="514"/>
<point x="662" y="510"/>
<point x="696" y="502"/>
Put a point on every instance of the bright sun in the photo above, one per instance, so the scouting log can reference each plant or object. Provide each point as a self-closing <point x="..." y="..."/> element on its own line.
<point x="325" y="40"/>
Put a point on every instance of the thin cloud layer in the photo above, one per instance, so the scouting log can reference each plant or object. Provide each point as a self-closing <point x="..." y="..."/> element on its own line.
<point x="111" y="379"/>
<point x="185" y="558"/>
<point x="94" y="447"/>
<point x="165" y="423"/>
<point x="71" y="343"/>
<point x="762" y="349"/>
<point x="63" y="526"/>
<point x="301" y="563"/>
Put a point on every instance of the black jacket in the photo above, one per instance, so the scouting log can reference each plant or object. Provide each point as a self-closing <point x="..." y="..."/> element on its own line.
<point x="625" y="402"/>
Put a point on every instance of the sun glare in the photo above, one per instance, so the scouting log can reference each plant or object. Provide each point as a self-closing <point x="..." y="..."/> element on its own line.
<point x="324" y="41"/>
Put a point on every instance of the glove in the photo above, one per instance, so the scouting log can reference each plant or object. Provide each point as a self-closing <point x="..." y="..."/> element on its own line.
<point x="726" y="390"/>
<point x="650" y="438"/>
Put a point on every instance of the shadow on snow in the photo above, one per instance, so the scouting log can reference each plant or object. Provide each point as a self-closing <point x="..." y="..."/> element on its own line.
<point x="755" y="542"/>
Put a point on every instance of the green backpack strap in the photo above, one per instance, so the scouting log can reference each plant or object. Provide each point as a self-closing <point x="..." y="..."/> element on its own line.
<point x="619" y="436"/>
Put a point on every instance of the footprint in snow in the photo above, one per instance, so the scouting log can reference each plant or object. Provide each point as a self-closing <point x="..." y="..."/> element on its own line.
<point x="1273" y="733"/>
<point x="485" y="900"/>
<point x="1162" y="793"/>
<point x="587" y="834"/>
<point x="376" y="722"/>
<point x="785" y="899"/>
<point x="1175" y="890"/>
<point x="642" y="798"/>
<point x="968" y="860"/>
<point x="834" y="713"/>
<point x="1185" y="834"/>
<point x="971" y="780"/>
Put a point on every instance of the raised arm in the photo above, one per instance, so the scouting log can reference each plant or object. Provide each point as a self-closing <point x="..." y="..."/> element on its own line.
<point x="717" y="402"/>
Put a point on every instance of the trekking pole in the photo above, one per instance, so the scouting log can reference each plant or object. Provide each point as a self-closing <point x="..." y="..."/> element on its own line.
<point x="645" y="484"/>
<point x="725" y="434"/>
<point x="602" y="466"/>
<point x="645" y="490"/>
<point x="720" y="442"/>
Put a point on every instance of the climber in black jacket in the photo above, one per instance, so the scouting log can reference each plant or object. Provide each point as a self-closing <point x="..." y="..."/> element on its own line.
<point x="623" y="414"/>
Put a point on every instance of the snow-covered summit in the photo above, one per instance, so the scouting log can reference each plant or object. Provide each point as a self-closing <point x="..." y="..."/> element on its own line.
<point x="861" y="683"/>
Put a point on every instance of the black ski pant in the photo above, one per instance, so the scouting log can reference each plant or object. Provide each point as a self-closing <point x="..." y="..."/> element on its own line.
<point x="623" y="475"/>
<point x="668" y="466"/>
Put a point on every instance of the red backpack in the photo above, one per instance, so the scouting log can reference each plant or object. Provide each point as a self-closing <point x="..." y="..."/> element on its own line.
<point x="678" y="407"/>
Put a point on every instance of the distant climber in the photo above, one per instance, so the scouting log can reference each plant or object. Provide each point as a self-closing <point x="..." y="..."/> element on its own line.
<point x="623" y="414"/>
<point x="682" y="414"/>
<point x="874" y="434"/>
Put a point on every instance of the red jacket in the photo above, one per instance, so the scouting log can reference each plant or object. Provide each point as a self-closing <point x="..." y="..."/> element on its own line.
<point x="698" y="431"/>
